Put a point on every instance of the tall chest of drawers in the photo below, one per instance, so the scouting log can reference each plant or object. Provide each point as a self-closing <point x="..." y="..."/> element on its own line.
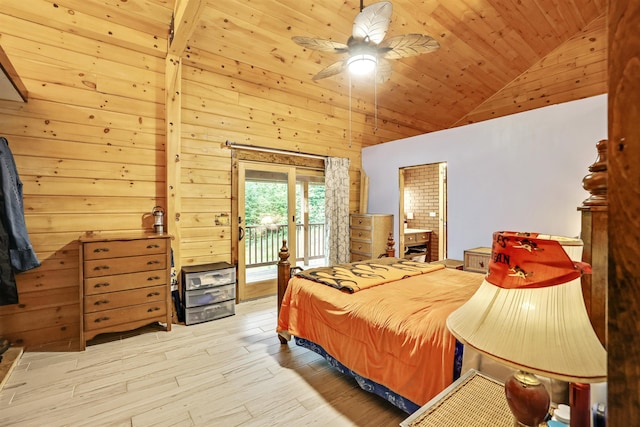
<point x="125" y="283"/>
<point x="369" y="234"/>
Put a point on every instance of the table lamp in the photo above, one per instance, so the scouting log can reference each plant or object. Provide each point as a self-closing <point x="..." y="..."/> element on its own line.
<point x="529" y="314"/>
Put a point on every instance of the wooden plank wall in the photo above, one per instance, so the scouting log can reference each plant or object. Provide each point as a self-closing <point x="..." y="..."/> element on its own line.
<point x="217" y="107"/>
<point x="89" y="148"/>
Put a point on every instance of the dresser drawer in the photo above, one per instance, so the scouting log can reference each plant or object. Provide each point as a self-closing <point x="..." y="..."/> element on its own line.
<point x="207" y="279"/>
<point x="410" y="239"/>
<point x="360" y="234"/>
<point x="111" y="266"/>
<point x="360" y="221"/>
<point x="124" y="248"/>
<point x="101" y="302"/>
<point x="361" y="247"/>
<point x="359" y="257"/>
<point x="423" y="237"/>
<point x="144" y="279"/>
<point x="209" y="295"/>
<point x="118" y="316"/>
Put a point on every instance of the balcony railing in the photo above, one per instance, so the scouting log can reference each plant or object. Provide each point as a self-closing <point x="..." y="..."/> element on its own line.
<point x="262" y="243"/>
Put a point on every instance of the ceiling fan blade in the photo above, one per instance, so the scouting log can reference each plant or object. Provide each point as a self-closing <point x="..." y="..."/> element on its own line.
<point x="331" y="70"/>
<point x="372" y="23"/>
<point x="383" y="70"/>
<point x="407" y="45"/>
<point x="321" y="44"/>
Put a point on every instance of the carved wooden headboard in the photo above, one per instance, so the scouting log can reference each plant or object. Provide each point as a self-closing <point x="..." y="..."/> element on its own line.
<point x="594" y="235"/>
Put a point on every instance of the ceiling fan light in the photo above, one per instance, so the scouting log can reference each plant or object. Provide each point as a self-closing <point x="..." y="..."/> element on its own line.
<point x="363" y="63"/>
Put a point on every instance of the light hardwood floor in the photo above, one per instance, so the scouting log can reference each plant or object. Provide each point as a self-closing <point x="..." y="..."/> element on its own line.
<point x="228" y="372"/>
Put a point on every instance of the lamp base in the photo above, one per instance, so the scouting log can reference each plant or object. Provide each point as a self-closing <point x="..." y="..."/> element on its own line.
<point x="527" y="398"/>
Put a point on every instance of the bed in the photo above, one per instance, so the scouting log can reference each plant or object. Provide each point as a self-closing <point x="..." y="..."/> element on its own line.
<point x="394" y="320"/>
<point x="391" y="336"/>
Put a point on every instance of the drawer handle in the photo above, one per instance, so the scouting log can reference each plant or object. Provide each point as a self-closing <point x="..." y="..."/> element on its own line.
<point x="359" y="246"/>
<point x="102" y="319"/>
<point x="153" y="294"/>
<point x="155" y="261"/>
<point x="154" y="246"/>
<point x="359" y="221"/>
<point x="482" y="264"/>
<point x="98" y="250"/>
<point x="152" y="278"/>
<point x="101" y="267"/>
<point x="101" y="285"/>
<point x="153" y="309"/>
<point x="360" y="234"/>
<point x="104" y="301"/>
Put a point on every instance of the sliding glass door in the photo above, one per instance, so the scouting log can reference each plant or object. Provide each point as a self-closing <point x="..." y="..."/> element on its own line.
<point x="266" y="216"/>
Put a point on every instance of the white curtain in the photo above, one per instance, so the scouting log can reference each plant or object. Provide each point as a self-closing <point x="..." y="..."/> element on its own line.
<point x="336" y="183"/>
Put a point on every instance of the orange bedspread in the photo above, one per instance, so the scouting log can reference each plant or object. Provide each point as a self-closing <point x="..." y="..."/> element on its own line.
<point x="394" y="334"/>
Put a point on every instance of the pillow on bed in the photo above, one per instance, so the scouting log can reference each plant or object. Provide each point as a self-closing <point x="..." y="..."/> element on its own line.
<point x="356" y="276"/>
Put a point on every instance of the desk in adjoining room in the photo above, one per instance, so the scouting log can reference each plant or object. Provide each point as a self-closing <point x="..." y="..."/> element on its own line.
<point x="417" y="242"/>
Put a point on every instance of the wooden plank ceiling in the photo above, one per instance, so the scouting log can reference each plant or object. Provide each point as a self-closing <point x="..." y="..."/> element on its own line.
<point x="497" y="57"/>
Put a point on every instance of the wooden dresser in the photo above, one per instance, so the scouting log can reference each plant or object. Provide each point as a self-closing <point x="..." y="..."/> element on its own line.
<point x="369" y="234"/>
<point x="126" y="283"/>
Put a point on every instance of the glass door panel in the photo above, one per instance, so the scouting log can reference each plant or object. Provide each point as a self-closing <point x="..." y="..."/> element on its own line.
<point x="266" y="216"/>
<point x="310" y="224"/>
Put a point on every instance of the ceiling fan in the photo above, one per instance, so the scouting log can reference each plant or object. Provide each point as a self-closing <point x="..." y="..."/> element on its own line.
<point x="367" y="48"/>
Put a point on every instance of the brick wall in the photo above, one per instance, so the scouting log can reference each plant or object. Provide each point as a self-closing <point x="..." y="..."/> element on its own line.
<point x="421" y="196"/>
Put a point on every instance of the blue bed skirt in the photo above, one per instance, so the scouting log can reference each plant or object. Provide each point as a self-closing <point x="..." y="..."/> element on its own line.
<point x="366" y="384"/>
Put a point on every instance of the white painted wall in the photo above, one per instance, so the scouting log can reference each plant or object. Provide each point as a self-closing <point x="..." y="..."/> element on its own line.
<point x="521" y="172"/>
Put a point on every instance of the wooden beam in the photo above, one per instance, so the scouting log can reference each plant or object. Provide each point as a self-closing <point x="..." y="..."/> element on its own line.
<point x="11" y="87"/>
<point x="173" y="107"/>
<point x="185" y="17"/>
<point x="624" y="233"/>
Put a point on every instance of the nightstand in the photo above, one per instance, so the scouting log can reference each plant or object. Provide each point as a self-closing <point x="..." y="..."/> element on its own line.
<point x="477" y="259"/>
<point x="475" y="399"/>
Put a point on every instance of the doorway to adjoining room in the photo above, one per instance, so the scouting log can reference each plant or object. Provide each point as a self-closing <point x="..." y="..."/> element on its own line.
<point x="423" y="212"/>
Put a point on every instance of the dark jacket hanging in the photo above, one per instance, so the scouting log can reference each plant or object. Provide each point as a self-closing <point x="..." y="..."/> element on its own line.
<point x="20" y="255"/>
<point x="8" y="289"/>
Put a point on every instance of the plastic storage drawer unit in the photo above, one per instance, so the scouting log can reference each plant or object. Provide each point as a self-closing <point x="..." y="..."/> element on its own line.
<point x="208" y="292"/>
